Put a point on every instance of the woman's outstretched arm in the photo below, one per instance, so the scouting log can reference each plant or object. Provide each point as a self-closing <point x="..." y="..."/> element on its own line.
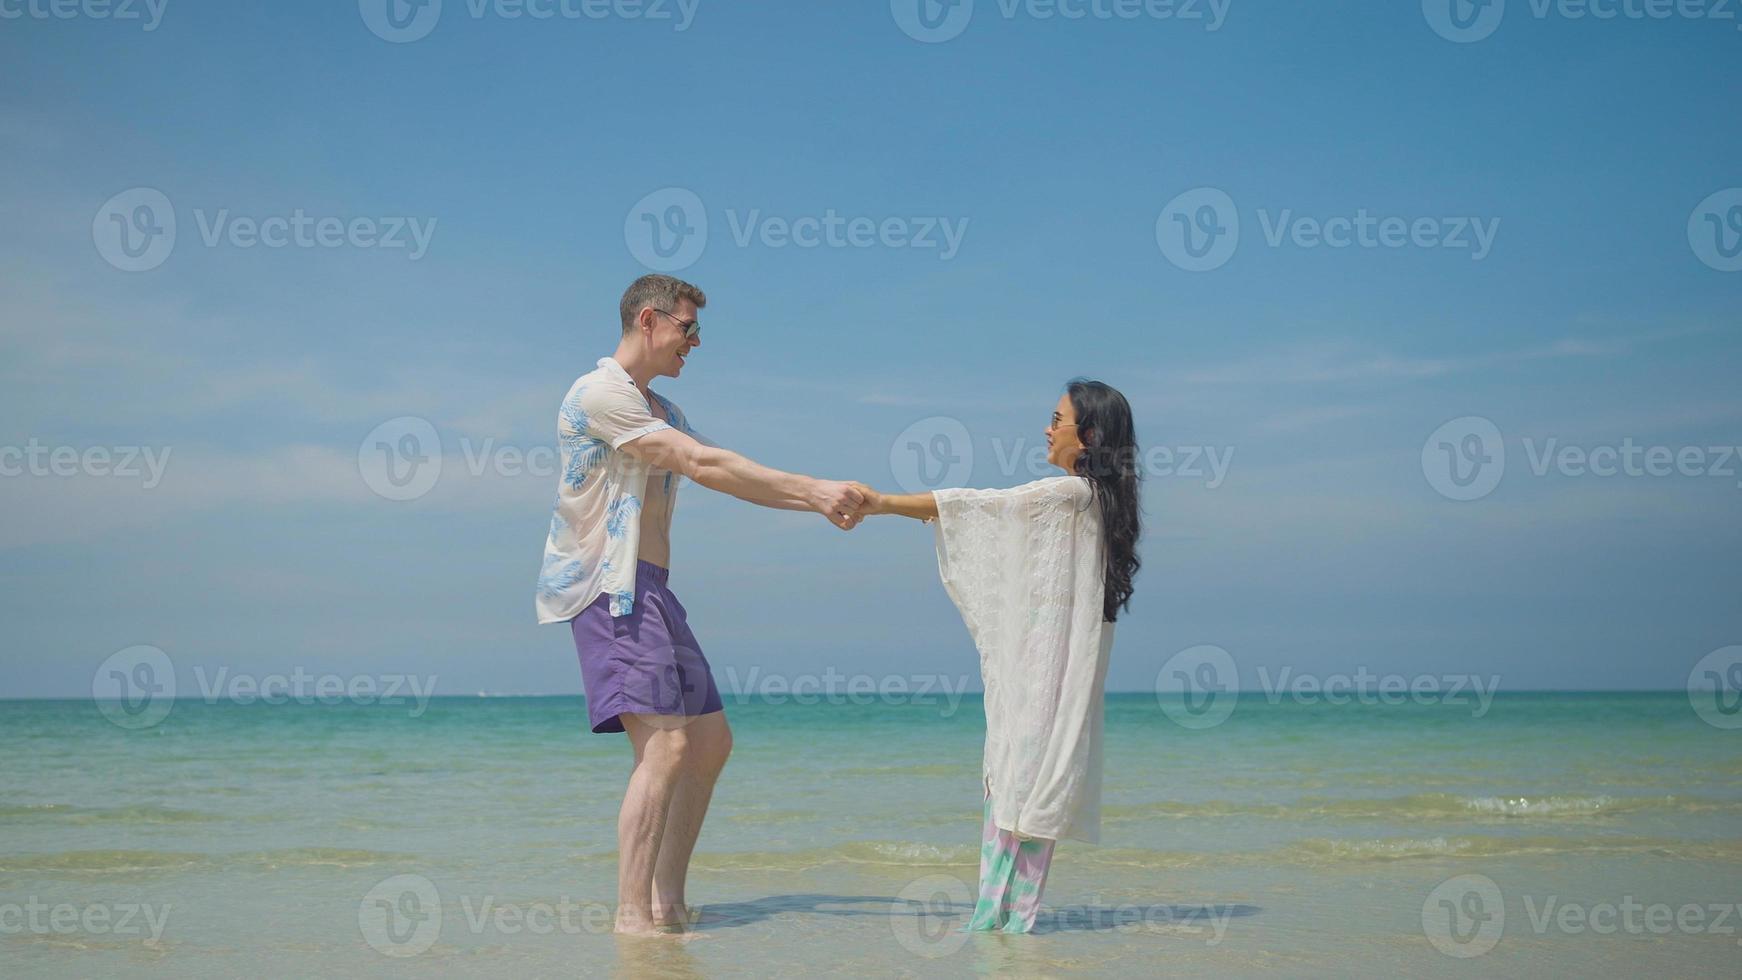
<point x="919" y="506"/>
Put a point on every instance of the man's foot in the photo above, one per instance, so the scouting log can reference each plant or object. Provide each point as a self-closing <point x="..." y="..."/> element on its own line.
<point x="676" y="915"/>
<point x="644" y="930"/>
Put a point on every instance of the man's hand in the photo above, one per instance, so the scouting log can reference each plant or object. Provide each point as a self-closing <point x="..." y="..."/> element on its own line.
<point x="839" y="502"/>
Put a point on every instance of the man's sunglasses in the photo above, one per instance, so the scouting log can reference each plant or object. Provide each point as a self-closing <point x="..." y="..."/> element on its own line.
<point x="691" y="328"/>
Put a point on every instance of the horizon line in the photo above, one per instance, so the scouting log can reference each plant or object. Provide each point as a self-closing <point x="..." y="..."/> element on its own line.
<point x="872" y="695"/>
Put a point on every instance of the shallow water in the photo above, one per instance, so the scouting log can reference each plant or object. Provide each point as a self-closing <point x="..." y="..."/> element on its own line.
<point x="479" y="836"/>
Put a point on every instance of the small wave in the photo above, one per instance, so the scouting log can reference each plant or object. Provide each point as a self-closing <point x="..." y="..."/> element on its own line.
<point x="1551" y="806"/>
<point x="761" y="817"/>
<point x="1311" y="853"/>
<point x="922" y="769"/>
<point x="120" y="862"/>
<point x="1322" y="853"/>
<point x="63" y="813"/>
<point x="1424" y="806"/>
<point x="1397" y="849"/>
<point x="899" y="854"/>
<point x="311" y="857"/>
<point x="102" y="862"/>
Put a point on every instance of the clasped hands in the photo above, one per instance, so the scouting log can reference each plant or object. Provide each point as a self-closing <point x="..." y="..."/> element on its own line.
<point x="846" y="503"/>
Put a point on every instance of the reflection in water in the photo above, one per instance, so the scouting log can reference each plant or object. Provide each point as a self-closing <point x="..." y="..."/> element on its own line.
<point x="933" y="930"/>
<point x="656" y="956"/>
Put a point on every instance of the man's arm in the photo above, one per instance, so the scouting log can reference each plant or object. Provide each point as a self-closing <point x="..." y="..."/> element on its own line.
<point x="775" y="504"/>
<point x="728" y="472"/>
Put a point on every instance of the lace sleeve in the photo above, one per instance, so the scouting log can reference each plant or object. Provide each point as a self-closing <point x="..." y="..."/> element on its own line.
<point x="990" y="544"/>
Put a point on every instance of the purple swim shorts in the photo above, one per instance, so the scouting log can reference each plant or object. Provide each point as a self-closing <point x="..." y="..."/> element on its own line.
<point x="645" y="663"/>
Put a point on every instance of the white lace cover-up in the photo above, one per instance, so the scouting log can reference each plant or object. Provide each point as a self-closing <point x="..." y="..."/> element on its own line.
<point x="1024" y="567"/>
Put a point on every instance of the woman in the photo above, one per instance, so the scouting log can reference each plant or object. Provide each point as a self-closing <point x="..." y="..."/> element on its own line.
<point x="1039" y="573"/>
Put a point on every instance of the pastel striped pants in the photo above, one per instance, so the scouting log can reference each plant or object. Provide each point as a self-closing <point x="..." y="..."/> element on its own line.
<point x="1012" y="876"/>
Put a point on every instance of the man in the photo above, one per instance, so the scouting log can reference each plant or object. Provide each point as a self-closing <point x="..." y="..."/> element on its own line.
<point x="605" y="569"/>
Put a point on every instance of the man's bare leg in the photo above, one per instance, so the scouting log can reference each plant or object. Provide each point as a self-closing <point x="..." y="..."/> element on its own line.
<point x="710" y="743"/>
<point x="662" y="747"/>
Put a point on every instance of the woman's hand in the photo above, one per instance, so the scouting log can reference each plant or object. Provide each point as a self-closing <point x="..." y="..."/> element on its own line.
<point x="873" y="503"/>
<point x="919" y="506"/>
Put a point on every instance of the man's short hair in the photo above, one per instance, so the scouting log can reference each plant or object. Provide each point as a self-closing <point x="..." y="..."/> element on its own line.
<point x="659" y="292"/>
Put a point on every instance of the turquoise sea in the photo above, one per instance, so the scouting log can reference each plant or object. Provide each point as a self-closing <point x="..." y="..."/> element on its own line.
<point x="1555" y="834"/>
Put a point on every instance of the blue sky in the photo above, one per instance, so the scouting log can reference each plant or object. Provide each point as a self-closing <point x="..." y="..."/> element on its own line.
<point x="1055" y="147"/>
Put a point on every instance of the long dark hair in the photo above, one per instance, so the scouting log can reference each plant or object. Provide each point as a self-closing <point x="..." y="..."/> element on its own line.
<point x="1109" y="461"/>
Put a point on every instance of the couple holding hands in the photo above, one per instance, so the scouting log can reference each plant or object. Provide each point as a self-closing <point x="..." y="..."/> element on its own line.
<point x="1039" y="573"/>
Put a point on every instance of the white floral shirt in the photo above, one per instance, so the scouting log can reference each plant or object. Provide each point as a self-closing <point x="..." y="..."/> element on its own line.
<point x="595" y="530"/>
